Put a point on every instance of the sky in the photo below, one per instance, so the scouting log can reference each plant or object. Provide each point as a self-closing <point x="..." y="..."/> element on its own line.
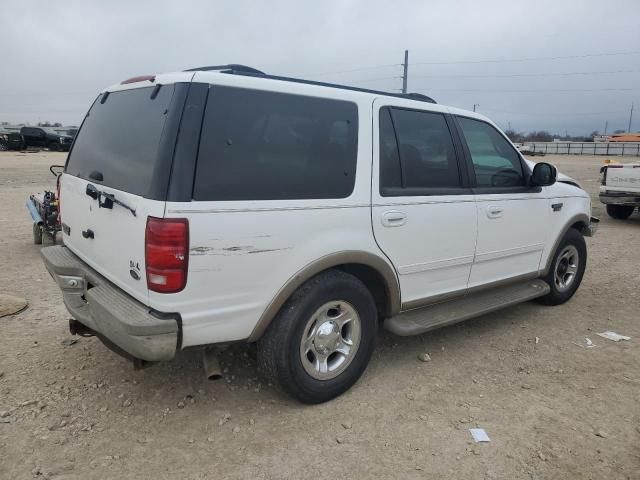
<point x="560" y="65"/>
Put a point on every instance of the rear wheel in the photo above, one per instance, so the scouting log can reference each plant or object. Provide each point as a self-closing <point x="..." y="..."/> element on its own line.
<point x="620" y="212"/>
<point x="322" y="339"/>
<point x="37" y="234"/>
<point x="567" y="268"/>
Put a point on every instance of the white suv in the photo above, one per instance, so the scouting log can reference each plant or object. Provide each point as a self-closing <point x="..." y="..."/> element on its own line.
<point x="221" y="205"/>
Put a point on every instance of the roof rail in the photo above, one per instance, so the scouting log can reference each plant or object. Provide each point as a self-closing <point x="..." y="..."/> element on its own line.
<point x="419" y="96"/>
<point x="235" y="69"/>
<point x="231" y="68"/>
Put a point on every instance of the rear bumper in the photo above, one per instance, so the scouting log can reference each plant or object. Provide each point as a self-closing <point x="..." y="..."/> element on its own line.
<point x="102" y="307"/>
<point x="620" y="198"/>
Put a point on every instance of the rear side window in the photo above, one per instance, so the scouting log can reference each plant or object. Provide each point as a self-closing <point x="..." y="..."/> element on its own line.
<point x="258" y="145"/>
<point x="120" y="138"/>
<point x="422" y="143"/>
<point x="495" y="161"/>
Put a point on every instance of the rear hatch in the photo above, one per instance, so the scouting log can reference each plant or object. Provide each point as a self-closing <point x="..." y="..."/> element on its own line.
<point x="116" y="176"/>
<point x="623" y="178"/>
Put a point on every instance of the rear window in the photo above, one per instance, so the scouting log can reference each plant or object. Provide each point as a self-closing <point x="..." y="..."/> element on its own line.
<point x="258" y="145"/>
<point x="120" y="138"/>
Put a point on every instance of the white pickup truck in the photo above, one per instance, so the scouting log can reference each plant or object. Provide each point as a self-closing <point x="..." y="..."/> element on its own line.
<point x="620" y="189"/>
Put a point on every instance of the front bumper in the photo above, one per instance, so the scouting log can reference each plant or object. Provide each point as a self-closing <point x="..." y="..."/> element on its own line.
<point x="102" y="307"/>
<point x="591" y="229"/>
<point x="620" y="198"/>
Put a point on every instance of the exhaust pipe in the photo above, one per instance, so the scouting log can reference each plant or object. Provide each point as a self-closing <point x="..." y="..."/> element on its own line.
<point x="211" y="364"/>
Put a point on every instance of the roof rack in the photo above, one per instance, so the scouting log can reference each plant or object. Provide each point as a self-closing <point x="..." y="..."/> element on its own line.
<point x="236" y="69"/>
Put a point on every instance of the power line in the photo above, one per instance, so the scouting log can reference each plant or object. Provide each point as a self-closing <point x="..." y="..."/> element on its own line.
<point x="527" y="74"/>
<point x="530" y="91"/>
<point x="371" y="67"/>
<point x="529" y="59"/>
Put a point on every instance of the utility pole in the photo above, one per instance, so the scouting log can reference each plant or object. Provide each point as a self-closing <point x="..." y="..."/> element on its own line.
<point x="405" y="72"/>
<point x="630" y="118"/>
<point x="475" y="105"/>
<point x="606" y="125"/>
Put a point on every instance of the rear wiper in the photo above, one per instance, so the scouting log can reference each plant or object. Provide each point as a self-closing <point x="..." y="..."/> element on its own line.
<point x="106" y="200"/>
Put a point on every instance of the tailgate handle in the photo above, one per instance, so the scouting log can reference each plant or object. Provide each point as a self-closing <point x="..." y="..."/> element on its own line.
<point x="88" y="233"/>
<point x="92" y="191"/>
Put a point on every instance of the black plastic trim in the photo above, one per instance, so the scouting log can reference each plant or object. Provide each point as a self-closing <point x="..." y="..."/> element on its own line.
<point x="161" y="173"/>
<point x="185" y="154"/>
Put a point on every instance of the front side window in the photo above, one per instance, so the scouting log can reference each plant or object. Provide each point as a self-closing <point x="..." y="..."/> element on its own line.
<point x="423" y="144"/>
<point x="258" y="145"/>
<point x="495" y="161"/>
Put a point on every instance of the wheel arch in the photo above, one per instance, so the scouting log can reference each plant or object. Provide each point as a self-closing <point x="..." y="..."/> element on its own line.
<point x="376" y="273"/>
<point x="580" y="222"/>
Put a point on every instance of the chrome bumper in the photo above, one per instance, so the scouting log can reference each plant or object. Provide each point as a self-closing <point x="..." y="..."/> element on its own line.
<point x="591" y="229"/>
<point x="105" y="309"/>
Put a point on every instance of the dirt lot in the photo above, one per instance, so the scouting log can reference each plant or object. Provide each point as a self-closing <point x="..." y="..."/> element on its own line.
<point x="553" y="409"/>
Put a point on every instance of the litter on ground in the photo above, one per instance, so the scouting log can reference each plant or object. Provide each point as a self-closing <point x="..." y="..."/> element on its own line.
<point x="586" y="344"/>
<point x="479" y="435"/>
<point x="616" y="337"/>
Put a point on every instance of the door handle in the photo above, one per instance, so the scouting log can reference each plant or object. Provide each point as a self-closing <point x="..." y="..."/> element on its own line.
<point x="494" y="211"/>
<point x="394" y="218"/>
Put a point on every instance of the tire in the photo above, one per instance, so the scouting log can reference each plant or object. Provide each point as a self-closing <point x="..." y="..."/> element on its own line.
<point x="620" y="212"/>
<point x="296" y="365"/>
<point x="37" y="234"/>
<point x="572" y="251"/>
<point x="53" y="146"/>
<point x="48" y="240"/>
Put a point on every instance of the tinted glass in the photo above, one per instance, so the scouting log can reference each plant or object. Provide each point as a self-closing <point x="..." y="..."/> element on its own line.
<point x="426" y="150"/>
<point x="495" y="161"/>
<point x="390" y="170"/>
<point x="120" y="138"/>
<point x="258" y="145"/>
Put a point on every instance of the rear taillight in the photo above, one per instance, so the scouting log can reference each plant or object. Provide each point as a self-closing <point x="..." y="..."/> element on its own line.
<point x="167" y="254"/>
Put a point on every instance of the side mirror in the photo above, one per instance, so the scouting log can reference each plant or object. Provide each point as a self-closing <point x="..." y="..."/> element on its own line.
<point x="544" y="174"/>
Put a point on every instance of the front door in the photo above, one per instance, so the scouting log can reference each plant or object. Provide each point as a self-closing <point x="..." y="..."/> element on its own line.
<point x="512" y="216"/>
<point x="423" y="213"/>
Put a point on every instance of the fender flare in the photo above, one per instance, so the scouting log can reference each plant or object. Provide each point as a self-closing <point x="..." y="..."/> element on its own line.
<point x="580" y="218"/>
<point x="371" y="260"/>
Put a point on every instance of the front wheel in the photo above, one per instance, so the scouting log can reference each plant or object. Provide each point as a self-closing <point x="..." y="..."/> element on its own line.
<point x="54" y="147"/>
<point x="620" y="212"/>
<point x="567" y="268"/>
<point x="322" y="339"/>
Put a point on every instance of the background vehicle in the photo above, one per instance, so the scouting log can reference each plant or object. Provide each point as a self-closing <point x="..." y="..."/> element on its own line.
<point x="620" y="189"/>
<point x="45" y="138"/>
<point x="229" y="205"/>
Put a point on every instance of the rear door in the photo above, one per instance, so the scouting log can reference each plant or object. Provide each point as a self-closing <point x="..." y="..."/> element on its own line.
<point x="423" y="212"/>
<point x="512" y="216"/>
<point x="116" y="176"/>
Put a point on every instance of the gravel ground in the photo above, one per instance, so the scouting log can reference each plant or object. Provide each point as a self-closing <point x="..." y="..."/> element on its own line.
<point x="552" y="408"/>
